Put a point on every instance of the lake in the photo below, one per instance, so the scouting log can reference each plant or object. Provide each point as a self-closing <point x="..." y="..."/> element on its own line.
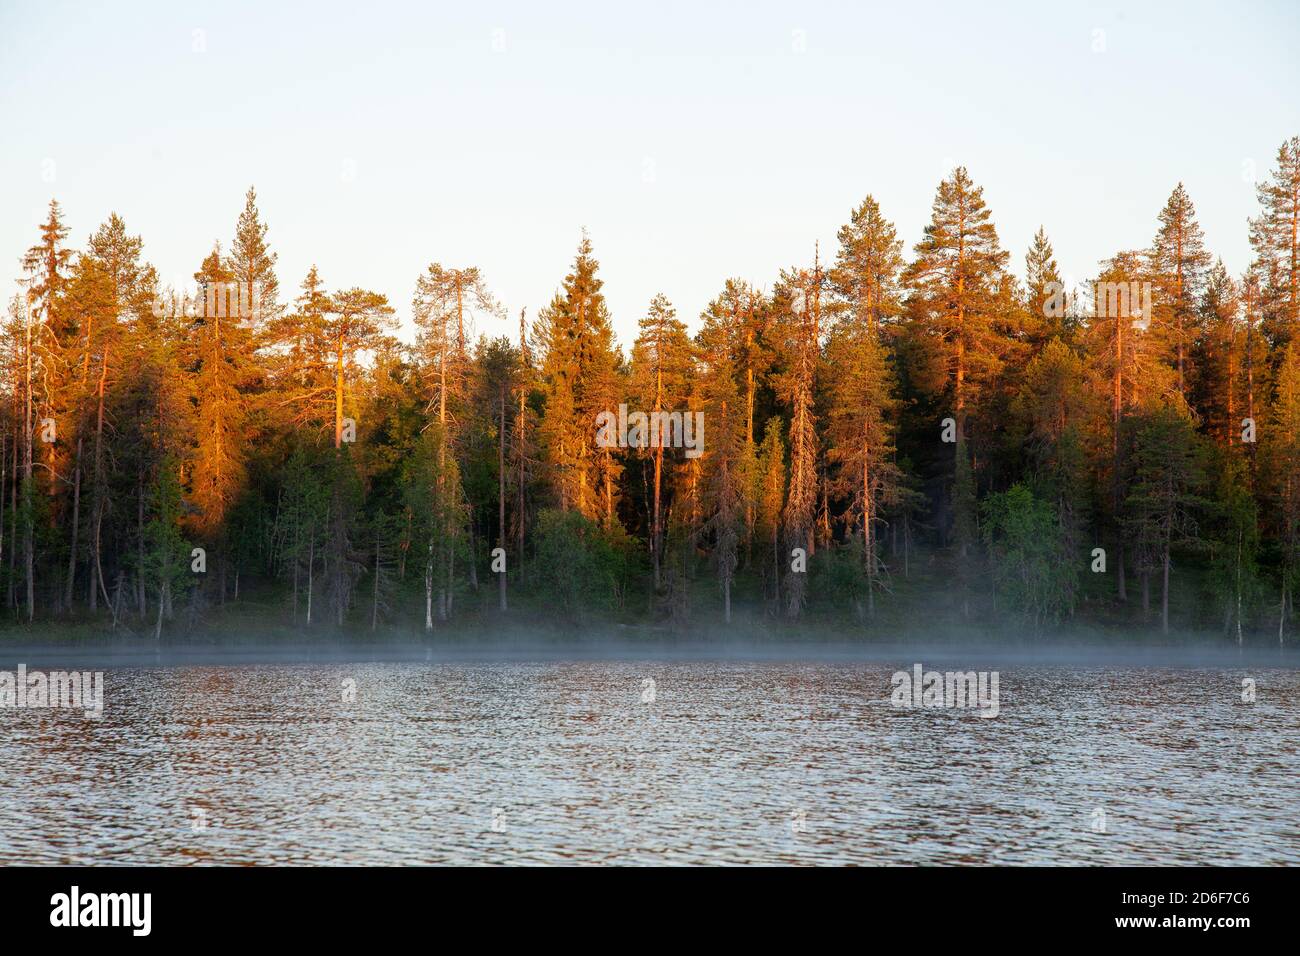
<point x="717" y="761"/>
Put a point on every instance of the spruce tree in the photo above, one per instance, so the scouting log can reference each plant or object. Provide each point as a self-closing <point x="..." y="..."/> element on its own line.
<point x="578" y="380"/>
<point x="1045" y="293"/>
<point x="1179" y="262"/>
<point x="661" y="367"/>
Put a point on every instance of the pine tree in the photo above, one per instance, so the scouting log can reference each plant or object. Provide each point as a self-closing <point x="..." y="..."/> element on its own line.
<point x="726" y="498"/>
<point x="1125" y="348"/>
<point x="860" y="396"/>
<point x="559" y="432"/>
<point x="661" y="367"/>
<point x="498" y="370"/>
<point x="859" y="437"/>
<point x="800" y="295"/>
<point x="88" y="307"/>
<point x="47" y="266"/>
<point x="155" y="420"/>
<point x="955" y="282"/>
<point x="867" y="266"/>
<point x="1275" y="237"/>
<point x="356" y="324"/>
<point x="300" y="342"/>
<point x="523" y="451"/>
<point x="603" y="388"/>
<point x="768" y="493"/>
<point x="1254" y="345"/>
<point x="222" y="367"/>
<point x="128" y="426"/>
<point x="446" y="300"/>
<point x="578" y="380"/>
<point x="1179" y="261"/>
<point x="1218" y="357"/>
<point x="133" y="284"/>
<point x="738" y="320"/>
<point x="1045" y="299"/>
<point x="342" y="563"/>
<point x="251" y="265"/>
<point x="955" y="278"/>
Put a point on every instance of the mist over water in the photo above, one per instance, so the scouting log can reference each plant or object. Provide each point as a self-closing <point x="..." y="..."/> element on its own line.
<point x="793" y="760"/>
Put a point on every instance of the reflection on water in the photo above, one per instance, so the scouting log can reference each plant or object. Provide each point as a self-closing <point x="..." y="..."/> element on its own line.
<point x="730" y="763"/>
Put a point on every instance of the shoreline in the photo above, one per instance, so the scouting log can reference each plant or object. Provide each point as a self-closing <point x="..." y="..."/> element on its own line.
<point x="143" y="654"/>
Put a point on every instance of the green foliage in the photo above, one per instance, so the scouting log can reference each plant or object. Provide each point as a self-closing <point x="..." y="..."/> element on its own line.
<point x="167" y="555"/>
<point x="1033" y="570"/>
<point x="582" y="569"/>
<point x="1234" y="547"/>
<point x="1077" y="424"/>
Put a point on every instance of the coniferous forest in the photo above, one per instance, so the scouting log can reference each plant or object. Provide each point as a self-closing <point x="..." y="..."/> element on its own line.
<point x="938" y="438"/>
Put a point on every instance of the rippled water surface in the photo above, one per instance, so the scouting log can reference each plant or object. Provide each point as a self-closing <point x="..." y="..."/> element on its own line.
<point x="730" y="763"/>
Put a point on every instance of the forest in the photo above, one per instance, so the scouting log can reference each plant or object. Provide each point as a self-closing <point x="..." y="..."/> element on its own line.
<point x="891" y="442"/>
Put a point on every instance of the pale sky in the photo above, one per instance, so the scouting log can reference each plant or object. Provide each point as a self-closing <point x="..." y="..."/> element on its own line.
<point x="695" y="141"/>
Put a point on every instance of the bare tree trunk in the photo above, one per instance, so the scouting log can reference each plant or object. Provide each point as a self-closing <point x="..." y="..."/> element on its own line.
<point x="868" y="542"/>
<point x="1117" y="412"/>
<point x="97" y="571"/>
<point x="162" y="602"/>
<point x="141" y="590"/>
<point x="907" y="547"/>
<point x="451" y="573"/>
<point x="338" y="395"/>
<point x="1281" y="617"/>
<point x="405" y="547"/>
<point x="76" y="524"/>
<point x="473" y="553"/>
<point x="656" y="528"/>
<point x="776" y="565"/>
<point x="3" y="475"/>
<point x="374" y="603"/>
<point x="428" y="591"/>
<point x="1164" y="594"/>
<point x="117" y="596"/>
<point x="297" y="567"/>
<point x="523" y="425"/>
<point x="28" y="493"/>
<point x="1119" y="566"/>
<point x="443" y="592"/>
<point x="1239" y="635"/>
<point x="501" y="498"/>
<point x="13" y="515"/>
<point x="311" y="562"/>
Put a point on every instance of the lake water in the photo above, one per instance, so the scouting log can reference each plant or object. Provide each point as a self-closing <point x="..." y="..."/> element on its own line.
<point x="731" y="762"/>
